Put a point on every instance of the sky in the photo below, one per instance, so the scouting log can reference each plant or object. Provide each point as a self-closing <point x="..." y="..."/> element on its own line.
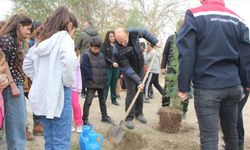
<point x="241" y="7"/>
<point x="5" y="8"/>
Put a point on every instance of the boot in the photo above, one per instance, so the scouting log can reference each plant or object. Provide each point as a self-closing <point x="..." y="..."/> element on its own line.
<point x="29" y="136"/>
<point x="165" y="101"/>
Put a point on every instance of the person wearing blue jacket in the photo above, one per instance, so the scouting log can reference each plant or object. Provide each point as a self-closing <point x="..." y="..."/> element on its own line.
<point x="128" y="52"/>
<point x="214" y="52"/>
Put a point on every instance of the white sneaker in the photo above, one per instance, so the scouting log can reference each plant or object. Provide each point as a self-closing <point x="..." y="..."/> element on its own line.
<point x="73" y="129"/>
<point x="79" y="129"/>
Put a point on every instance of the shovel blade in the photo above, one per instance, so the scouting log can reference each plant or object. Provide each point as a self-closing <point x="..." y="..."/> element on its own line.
<point x="116" y="134"/>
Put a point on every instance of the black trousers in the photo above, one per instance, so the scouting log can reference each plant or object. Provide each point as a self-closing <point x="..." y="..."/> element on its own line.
<point x="83" y="83"/>
<point x="217" y="106"/>
<point x="153" y="79"/>
<point x="240" y="124"/>
<point x="137" y="109"/>
<point x="88" y="100"/>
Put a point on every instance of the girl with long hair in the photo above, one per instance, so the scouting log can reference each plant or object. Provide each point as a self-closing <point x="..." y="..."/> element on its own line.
<point x="113" y="70"/>
<point x="12" y="41"/>
<point x="51" y="64"/>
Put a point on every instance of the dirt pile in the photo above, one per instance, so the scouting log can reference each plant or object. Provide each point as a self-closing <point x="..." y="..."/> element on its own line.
<point x="131" y="141"/>
<point x="170" y="120"/>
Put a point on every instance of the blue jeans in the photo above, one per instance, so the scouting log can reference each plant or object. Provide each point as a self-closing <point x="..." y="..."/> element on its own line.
<point x="218" y="106"/>
<point x="15" y="119"/>
<point x="57" y="131"/>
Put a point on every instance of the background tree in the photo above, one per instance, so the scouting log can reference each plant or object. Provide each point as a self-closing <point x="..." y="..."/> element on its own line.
<point x="135" y="19"/>
<point x="104" y="14"/>
<point x="36" y="9"/>
<point x="159" y="14"/>
<point x="155" y="15"/>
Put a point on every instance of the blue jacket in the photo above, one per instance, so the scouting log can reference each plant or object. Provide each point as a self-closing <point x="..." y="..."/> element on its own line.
<point x="213" y="46"/>
<point x="130" y="58"/>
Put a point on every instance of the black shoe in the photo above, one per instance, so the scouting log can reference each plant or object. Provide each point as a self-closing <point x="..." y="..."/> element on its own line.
<point x="129" y="124"/>
<point x="141" y="119"/>
<point x="107" y="119"/>
<point x="146" y="100"/>
<point x="165" y="101"/>
<point x="151" y="96"/>
<point x="86" y="122"/>
<point x="115" y="103"/>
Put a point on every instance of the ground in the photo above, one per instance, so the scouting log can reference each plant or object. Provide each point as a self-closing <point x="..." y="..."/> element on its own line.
<point x="149" y="137"/>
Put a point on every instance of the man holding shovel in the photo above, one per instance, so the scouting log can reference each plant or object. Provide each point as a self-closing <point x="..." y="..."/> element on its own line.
<point x="128" y="52"/>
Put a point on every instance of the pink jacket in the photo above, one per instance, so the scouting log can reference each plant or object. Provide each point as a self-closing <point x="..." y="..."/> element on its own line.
<point x="77" y="86"/>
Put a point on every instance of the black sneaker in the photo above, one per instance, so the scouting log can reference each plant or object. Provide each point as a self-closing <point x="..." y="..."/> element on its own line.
<point x="165" y="101"/>
<point x="86" y="122"/>
<point x="151" y="96"/>
<point x="107" y="119"/>
<point x="115" y="103"/>
<point x="146" y="100"/>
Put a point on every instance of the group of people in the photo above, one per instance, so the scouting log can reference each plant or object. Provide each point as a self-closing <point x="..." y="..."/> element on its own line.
<point x="214" y="50"/>
<point x="40" y="63"/>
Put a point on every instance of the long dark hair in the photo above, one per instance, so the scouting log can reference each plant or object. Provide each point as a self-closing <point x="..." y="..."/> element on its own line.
<point x="11" y="26"/>
<point x="58" y="21"/>
<point x="107" y="37"/>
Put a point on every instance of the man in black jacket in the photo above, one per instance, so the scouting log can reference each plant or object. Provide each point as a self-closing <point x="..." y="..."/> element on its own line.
<point x="130" y="58"/>
<point x="213" y="46"/>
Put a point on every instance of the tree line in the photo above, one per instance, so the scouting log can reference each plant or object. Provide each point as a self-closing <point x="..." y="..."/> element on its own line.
<point x="109" y="14"/>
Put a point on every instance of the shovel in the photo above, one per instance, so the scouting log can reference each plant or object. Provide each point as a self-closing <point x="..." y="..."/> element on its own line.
<point x="116" y="133"/>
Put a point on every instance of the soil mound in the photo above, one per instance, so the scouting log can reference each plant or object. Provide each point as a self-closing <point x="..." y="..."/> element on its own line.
<point x="132" y="141"/>
<point x="170" y="120"/>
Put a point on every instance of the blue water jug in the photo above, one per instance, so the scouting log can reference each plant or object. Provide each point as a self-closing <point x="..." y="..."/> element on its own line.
<point x="84" y="137"/>
<point x="95" y="141"/>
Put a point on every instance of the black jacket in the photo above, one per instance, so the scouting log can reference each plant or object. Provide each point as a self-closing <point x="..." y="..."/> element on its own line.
<point x="107" y="51"/>
<point x="130" y="58"/>
<point x="213" y="45"/>
<point x="168" y="51"/>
